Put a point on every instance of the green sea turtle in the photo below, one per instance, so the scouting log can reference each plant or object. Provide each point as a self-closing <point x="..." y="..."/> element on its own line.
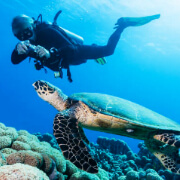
<point x="109" y="114"/>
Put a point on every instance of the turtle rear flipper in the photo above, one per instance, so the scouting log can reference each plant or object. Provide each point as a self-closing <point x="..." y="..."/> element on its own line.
<point x="171" y="163"/>
<point x="68" y="137"/>
<point x="169" y="138"/>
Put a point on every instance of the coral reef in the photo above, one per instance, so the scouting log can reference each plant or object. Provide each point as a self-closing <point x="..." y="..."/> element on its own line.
<point x="48" y="138"/>
<point x="115" y="159"/>
<point x="2" y="159"/>
<point x="20" y="148"/>
<point x="114" y="146"/>
<point x="21" y="172"/>
<point x="122" y="164"/>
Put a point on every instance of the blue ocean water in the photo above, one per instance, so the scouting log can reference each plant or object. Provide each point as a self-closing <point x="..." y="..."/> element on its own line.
<point x="144" y="68"/>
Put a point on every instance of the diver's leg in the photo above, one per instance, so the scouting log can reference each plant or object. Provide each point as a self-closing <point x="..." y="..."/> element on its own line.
<point x="113" y="40"/>
<point x="94" y="52"/>
<point x="123" y="23"/>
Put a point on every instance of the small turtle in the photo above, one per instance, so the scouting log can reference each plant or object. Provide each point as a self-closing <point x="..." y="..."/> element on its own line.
<point x="101" y="112"/>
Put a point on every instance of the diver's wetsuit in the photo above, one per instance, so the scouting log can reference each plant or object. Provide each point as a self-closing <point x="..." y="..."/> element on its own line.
<point x="48" y="36"/>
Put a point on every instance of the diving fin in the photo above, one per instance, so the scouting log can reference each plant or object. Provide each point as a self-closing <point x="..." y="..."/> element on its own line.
<point x="135" y="21"/>
<point x="101" y="61"/>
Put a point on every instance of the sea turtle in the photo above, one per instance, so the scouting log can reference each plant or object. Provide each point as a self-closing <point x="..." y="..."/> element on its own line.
<point x="109" y="114"/>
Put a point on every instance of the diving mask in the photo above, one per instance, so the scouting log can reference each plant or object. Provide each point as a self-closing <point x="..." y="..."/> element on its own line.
<point x="25" y="34"/>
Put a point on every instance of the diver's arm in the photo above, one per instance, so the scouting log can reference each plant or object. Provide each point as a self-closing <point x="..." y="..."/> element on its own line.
<point x="20" y="52"/>
<point x="17" y="58"/>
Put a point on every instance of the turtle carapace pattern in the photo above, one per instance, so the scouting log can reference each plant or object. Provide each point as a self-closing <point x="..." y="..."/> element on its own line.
<point x="101" y="112"/>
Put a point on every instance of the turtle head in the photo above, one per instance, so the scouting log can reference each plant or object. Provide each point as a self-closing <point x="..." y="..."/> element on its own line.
<point x="51" y="94"/>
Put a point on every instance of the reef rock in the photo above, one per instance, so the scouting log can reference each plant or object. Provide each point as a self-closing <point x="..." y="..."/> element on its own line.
<point x="25" y="148"/>
<point x="21" y="172"/>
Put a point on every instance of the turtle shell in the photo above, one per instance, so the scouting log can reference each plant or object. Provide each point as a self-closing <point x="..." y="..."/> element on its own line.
<point x="126" y="110"/>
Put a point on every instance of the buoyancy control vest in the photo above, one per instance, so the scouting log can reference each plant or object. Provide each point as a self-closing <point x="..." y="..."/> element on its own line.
<point x="69" y="36"/>
<point x="72" y="37"/>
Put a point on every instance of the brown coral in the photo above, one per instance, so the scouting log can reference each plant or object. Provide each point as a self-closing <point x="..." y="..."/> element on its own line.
<point x="35" y="159"/>
<point x="24" y="158"/>
<point x="48" y="163"/>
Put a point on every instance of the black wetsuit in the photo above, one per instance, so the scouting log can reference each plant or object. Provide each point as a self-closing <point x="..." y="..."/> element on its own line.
<point x="49" y="36"/>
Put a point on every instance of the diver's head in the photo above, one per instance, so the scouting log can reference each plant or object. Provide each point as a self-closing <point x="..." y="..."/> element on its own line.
<point x="23" y="27"/>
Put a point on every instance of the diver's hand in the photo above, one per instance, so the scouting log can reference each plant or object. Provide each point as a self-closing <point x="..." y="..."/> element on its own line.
<point x="21" y="47"/>
<point x="42" y="52"/>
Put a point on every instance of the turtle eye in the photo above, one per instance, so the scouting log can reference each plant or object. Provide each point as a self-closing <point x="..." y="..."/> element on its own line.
<point x="42" y="84"/>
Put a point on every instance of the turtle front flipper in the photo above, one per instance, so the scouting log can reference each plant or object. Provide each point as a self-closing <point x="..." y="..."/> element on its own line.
<point x="84" y="138"/>
<point x="171" y="163"/>
<point x="169" y="138"/>
<point x="68" y="137"/>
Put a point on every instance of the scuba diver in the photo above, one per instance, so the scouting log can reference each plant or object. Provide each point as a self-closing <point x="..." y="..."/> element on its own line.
<point x="56" y="48"/>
